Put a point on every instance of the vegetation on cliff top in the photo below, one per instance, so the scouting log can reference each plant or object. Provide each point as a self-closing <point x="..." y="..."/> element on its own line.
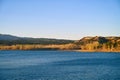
<point x="99" y="43"/>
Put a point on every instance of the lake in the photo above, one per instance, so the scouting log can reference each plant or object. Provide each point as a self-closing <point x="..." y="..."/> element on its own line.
<point x="59" y="65"/>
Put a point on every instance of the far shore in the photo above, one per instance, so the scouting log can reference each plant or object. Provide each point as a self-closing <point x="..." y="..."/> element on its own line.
<point x="94" y="51"/>
<point x="65" y="50"/>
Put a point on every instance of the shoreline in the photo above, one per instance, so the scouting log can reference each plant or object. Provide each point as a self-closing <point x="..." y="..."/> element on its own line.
<point x="95" y="51"/>
<point x="64" y="50"/>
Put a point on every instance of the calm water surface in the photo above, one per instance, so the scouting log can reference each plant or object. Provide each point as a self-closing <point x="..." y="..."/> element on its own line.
<point x="59" y="65"/>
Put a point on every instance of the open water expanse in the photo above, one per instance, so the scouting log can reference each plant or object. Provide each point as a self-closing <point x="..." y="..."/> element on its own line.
<point x="59" y="65"/>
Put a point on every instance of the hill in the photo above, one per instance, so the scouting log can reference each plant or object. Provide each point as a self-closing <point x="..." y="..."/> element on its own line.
<point x="12" y="40"/>
<point x="8" y="37"/>
<point x="99" y="43"/>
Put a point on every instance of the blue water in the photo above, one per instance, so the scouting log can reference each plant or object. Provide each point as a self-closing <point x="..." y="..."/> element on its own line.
<point x="59" y="65"/>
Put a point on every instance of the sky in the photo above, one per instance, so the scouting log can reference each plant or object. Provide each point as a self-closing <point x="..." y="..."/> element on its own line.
<point x="61" y="19"/>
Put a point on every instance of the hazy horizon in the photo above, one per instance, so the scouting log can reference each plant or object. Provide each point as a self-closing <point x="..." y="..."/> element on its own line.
<point x="63" y="19"/>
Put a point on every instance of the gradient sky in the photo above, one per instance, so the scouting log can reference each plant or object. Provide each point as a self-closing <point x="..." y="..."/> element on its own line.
<point x="66" y="19"/>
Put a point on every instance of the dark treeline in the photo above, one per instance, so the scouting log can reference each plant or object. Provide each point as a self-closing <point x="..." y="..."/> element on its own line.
<point x="13" y="40"/>
<point x="34" y="41"/>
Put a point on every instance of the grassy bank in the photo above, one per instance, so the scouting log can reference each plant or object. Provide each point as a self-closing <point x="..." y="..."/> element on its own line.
<point x="39" y="47"/>
<point x="70" y="47"/>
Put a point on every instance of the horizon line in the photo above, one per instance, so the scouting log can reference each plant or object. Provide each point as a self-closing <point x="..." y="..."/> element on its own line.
<point x="55" y="37"/>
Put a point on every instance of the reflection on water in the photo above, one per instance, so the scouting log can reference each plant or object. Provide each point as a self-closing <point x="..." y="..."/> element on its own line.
<point x="59" y="65"/>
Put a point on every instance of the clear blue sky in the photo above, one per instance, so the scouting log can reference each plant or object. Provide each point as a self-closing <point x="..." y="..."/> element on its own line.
<point x="68" y="19"/>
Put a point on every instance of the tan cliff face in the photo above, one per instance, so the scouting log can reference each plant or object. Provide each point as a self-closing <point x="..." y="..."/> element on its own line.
<point x="98" y="39"/>
<point x="99" y="43"/>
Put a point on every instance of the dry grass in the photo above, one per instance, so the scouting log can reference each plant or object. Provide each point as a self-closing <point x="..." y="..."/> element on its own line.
<point x="38" y="46"/>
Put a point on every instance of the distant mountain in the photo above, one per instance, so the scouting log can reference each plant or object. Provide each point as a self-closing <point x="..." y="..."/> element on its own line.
<point x="10" y="39"/>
